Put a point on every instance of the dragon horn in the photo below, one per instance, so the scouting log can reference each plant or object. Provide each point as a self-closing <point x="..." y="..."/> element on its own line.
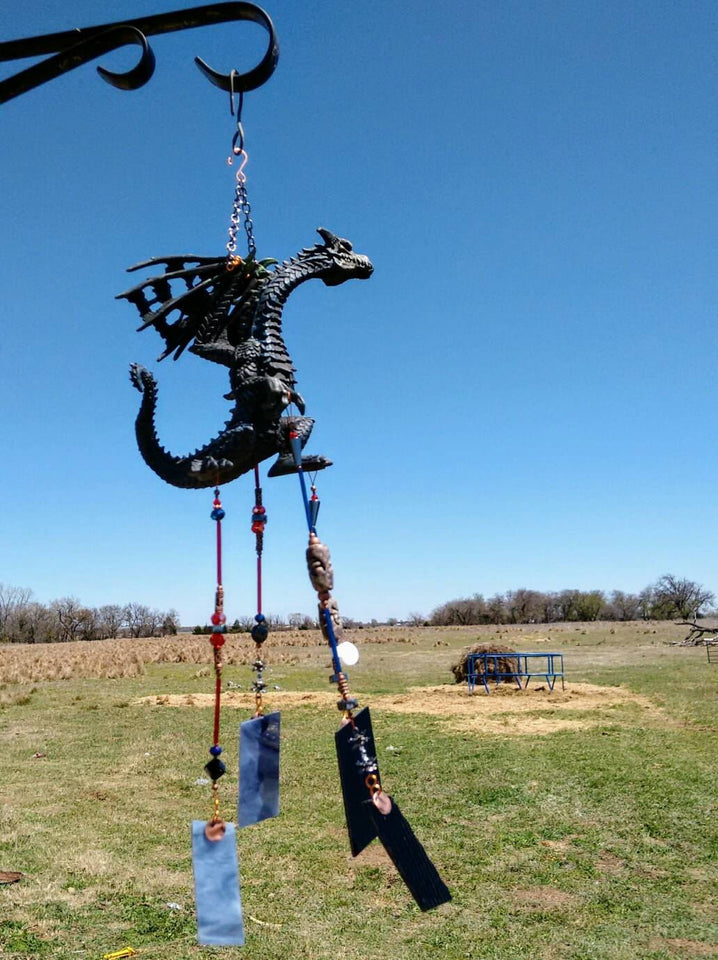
<point x="327" y="236"/>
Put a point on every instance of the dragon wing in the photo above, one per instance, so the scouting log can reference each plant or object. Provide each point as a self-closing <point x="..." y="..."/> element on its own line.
<point x="206" y="291"/>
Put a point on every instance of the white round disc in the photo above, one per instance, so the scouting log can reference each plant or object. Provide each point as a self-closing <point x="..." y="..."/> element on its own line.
<point x="348" y="653"/>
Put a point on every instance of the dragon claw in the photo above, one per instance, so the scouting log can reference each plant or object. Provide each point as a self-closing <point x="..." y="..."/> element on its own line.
<point x="284" y="465"/>
<point x="298" y="399"/>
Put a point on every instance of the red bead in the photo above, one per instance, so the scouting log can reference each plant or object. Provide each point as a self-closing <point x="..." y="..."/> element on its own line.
<point x="217" y="640"/>
<point x="257" y="528"/>
<point x="218" y="618"/>
<point x="293" y="434"/>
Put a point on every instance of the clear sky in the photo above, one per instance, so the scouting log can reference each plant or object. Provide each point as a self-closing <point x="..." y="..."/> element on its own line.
<point x="524" y="393"/>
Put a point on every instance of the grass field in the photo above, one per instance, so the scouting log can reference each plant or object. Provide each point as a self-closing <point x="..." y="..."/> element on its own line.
<point x="580" y="826"/>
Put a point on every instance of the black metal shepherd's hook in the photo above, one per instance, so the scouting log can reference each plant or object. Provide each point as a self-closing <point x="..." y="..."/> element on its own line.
<point x="82" y="45"/>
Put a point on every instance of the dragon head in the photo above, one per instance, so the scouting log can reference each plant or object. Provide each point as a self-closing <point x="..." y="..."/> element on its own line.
<point x="341" y="261"/>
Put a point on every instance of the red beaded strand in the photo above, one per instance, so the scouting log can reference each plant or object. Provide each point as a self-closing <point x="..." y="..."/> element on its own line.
<point x="215" y="767"/>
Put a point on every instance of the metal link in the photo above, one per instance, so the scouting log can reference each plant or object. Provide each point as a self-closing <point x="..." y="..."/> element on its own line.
<point x="241" y="209"/>
<point x="259" y="686"/>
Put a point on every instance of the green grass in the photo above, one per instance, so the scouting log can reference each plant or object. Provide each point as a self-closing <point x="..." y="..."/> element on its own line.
<point x="583" y="844"/>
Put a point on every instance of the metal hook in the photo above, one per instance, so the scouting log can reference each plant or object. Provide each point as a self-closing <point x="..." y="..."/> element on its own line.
<point x="238" y="141"/>
<point x="241" y="82"/>
<point x="139" y="75"/>
<point x="235" y="111"/>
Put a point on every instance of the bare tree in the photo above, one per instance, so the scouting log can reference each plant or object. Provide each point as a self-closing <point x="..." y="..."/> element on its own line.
<point x="548" y="607"/>
<point x="71" y="618"/>
<point x="32" y="623"/>
<point x="626" y="606"/>
<point x="153" y="622"/>
<point x="462" y="612"/>
<point x="136" y="615"/>
<point x="566" y="604"/>
<point x="677" y="597"/>
<point x="646" y="603"/>
<point x="522" y="605"/>
<point x="12" y="599"/>
<point x="90" y="626"/>
<point x="111" y="616"/>
<point x="170" y="623"/>
<point x="495" y="609"/>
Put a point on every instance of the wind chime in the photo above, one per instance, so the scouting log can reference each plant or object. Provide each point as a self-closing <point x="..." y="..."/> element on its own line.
<point x="228" y="310"/>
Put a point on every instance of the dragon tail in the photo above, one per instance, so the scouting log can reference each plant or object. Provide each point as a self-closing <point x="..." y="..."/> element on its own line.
<point x="204" y="468"/>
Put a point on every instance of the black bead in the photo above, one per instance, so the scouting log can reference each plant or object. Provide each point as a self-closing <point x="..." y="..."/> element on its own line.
<point x="259" y="632"/>
<point x="349" y="704"/>
<point x="215" y="768"/>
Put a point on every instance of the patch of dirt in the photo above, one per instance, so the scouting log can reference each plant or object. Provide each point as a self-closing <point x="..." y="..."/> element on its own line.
<point x="284" y="699"/>
<point x="608" y="863"/>
<point x="563" y="846"/>
<point x="507" y="710"/>
<point x="511" y="711"/>
<point x="691" y="948"/>
<point x="10" y="876"/>
<point x="372" y="856"/>
<point x="543" y="898"/>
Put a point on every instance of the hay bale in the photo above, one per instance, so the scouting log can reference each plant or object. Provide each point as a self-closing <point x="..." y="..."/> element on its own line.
<point x="504" y="665"/>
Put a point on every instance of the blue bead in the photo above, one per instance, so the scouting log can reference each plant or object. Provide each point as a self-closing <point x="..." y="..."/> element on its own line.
<point x="217" y="514"/>
<point x="259" y="617"/>
<point x="215" y="751"/>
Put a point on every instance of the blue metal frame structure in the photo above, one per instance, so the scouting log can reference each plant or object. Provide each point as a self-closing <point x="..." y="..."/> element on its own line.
<point x="489" y="664"/>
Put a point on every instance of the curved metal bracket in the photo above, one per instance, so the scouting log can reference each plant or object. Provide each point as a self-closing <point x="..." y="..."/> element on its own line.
<point x="77" y="47"/>
<point x="241" y="82"/>
<point x="137" y="76"/>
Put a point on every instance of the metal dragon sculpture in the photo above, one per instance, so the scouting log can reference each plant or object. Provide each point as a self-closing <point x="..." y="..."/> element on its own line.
<point x="230" y="312"/>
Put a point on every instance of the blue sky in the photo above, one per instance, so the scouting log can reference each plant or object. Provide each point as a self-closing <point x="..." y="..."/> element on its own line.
<point x="524" y="393"/>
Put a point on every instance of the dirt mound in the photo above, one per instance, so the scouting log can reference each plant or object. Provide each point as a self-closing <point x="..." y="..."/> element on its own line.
<point x="507" y="711"/>
<point x="515" y="712"/>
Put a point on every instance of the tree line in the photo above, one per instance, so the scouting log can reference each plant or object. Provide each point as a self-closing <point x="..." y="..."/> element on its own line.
<point x="24" y="620"/>
<point x="669" y="598"/>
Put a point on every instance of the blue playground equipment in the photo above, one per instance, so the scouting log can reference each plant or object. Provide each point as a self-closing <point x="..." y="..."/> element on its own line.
<point x="485" y="666"/>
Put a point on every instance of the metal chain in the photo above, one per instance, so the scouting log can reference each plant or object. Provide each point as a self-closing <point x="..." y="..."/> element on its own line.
<point x="241" y="209"/>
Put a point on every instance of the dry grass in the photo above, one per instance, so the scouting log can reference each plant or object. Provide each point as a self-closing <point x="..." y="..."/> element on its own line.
<point x="110" y="659"/>
<point x="15" y="697"/>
